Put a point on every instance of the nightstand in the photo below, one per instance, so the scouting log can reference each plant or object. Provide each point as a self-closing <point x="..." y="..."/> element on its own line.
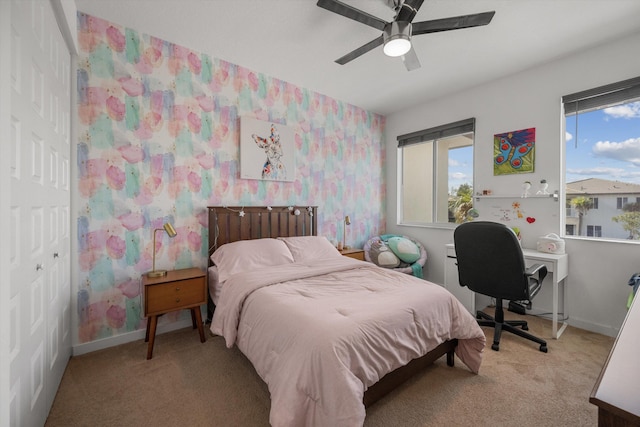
<point x="353" y="253"/>
<point x="178" y="290"/>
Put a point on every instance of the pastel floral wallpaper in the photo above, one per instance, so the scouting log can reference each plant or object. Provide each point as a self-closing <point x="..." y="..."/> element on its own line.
<point x="158" y="128"/>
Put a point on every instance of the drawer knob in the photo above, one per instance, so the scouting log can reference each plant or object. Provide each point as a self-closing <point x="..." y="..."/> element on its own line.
<point x="177" y="289"/>
<point x="177" y="299"/>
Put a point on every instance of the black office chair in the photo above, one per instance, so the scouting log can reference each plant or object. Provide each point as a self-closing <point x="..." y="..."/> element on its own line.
<point x="490" y="262"/>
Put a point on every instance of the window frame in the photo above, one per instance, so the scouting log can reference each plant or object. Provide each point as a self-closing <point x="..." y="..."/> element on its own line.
<point x="598" y="98"/>
<point x="433" y="136"/>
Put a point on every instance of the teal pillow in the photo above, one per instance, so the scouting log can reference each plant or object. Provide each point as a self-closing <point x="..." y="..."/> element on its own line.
<point x="404" y="249"/>
<point x="382" y="256"/>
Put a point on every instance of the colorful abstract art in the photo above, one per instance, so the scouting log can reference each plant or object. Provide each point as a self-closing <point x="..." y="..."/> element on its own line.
<point x="514" y="152"/>
<point x="158" y="128"/>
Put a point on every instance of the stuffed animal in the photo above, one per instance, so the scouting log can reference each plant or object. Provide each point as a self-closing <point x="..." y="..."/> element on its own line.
<point x="382" y="256"/>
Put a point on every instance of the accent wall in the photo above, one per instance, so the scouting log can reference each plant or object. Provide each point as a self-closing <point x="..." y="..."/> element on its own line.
<point x="158" y="141"/>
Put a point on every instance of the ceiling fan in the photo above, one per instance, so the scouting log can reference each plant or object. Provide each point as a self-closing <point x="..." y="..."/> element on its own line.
<point x="396" y="35"/>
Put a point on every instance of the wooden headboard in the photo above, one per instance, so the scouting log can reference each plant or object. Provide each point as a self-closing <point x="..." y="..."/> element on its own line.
<point x="232" y="223"/>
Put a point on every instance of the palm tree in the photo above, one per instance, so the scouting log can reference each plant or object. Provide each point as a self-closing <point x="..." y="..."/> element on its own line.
<point x="581" y="204"/>
<point x="462" y="203"/>
<point x="630" y="220"/>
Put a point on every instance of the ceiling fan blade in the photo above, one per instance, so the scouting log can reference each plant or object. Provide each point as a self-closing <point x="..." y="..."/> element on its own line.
<point x="360" y="51"/>
<point x="453" y="23"/>
<point x="410" y="60"/>
<point x="352" y="13"/>
<point x="409" y="10"/>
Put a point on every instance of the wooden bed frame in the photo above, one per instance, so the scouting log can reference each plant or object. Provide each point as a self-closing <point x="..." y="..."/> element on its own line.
<point x="232" y="223"/>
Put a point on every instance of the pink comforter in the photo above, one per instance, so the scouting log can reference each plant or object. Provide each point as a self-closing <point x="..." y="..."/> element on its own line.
<point x="319" y="334"/>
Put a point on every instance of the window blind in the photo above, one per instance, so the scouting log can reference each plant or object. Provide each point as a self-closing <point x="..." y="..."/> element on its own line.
<point x="602" y="96"/>
<point x="438" y="132"/>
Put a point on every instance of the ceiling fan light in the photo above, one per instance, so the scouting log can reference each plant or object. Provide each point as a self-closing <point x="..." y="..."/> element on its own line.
<point x="397" y="47"/>
<point x="397" y="38"/>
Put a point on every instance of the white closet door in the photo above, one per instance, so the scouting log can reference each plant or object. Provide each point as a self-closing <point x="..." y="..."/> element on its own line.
<point x="39" y="285"/>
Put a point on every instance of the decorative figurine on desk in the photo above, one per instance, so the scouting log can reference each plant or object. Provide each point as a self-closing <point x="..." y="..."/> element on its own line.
<point x="516" y="231"/>
<point x="543" y="187"/>
<point x="526" y="186"/>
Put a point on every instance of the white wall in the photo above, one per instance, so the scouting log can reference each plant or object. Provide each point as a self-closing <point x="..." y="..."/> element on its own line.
<point x="598" y="271"/>
<point x="65" y="11"/>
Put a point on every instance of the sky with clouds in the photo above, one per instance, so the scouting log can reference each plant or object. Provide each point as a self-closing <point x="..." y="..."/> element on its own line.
<point x="605" y="145"/>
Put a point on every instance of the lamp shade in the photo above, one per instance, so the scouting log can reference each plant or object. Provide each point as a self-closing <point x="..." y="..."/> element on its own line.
<point x="170" y="230"/>
<point x="397" y="38"/>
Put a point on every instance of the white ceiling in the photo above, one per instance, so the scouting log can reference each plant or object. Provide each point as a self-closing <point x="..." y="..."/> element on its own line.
<point x="296" y="41"/>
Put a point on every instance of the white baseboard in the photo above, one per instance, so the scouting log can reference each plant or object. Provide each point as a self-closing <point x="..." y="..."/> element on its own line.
<point x="127" y="337"/>
<point x="577" y="323"/>
<point x="609" y="331"/>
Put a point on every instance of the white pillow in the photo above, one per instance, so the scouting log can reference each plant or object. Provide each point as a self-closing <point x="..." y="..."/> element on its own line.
<point x="246" y="255"/>
<point x="310" y="248"/>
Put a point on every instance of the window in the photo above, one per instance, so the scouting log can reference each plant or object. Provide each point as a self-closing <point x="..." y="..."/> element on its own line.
<point x="602" y="137"/>
<point x="594" y="231"/>
<point x="621" y="202"/>
<point x="435" y="167"/>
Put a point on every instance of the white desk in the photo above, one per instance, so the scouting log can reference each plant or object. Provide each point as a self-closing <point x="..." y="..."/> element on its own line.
<point x="557" y="265"/>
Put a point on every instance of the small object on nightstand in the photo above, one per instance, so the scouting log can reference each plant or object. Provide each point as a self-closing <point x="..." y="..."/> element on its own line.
<point x="172" y="233"/>
<point x="347" y="221"/>
<point x="353" y="253"/>
<point x="177" y="290"/>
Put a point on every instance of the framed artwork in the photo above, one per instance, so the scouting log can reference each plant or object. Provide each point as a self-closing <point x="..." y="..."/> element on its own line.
<point x="514" y="152"/>
<point x="267" y="150"/>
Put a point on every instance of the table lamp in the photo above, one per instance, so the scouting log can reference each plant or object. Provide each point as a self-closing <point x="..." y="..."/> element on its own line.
<point x="172" y="233"/>
<point x="347" y="221"/>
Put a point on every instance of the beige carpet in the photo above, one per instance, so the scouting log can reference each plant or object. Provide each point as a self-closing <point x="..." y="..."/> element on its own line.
<point x="190" y="383"/>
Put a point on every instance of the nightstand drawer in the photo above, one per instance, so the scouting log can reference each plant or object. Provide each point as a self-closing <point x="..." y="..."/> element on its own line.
<point x="172" y="296"/>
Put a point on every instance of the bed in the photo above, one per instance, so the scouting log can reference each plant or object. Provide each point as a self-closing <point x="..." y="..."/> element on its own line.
<point x="329" y="335"/>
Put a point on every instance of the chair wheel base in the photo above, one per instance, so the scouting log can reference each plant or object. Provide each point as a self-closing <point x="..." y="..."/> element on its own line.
<point x="543" y="348"/>
<point x="525" y="327"/>
<point x="496" y="347"/>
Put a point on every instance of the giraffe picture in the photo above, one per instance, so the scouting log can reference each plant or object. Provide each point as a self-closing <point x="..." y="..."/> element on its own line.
<point x="266" y="150"/>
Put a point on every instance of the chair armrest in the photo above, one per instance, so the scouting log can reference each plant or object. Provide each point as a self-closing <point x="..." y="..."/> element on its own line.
<point x="539" y="269"/>
<point x="535" y="283"/>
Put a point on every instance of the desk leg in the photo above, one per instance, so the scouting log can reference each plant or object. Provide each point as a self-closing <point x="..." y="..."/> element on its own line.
<point x="152" y="335"/>
<point x="195" y="313"/>
<point x="554" y="327"/>
<point x="555" y="332"/>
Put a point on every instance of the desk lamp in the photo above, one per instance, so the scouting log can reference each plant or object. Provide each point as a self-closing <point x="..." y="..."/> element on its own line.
<point x="347" y="221"/>
<point x="172" y="233"/>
